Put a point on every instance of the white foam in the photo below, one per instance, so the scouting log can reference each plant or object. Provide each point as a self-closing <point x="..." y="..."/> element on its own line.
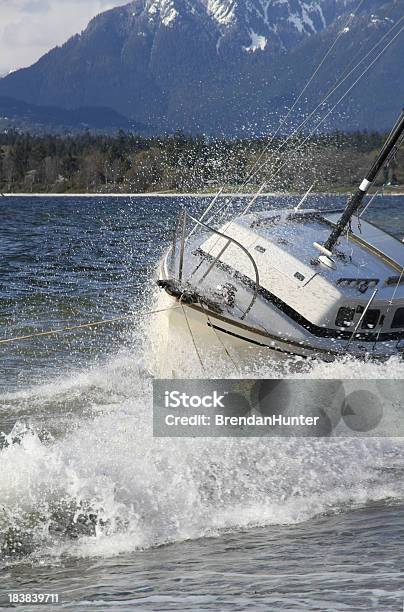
<point x="147" y="491"/>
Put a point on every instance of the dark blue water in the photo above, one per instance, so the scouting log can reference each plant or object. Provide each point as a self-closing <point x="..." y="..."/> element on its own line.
<point x="95" y="509"/>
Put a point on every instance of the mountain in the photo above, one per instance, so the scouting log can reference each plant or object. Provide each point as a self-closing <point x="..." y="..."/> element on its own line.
<point x="221" y="66"/>
<point x="18" y="114"/>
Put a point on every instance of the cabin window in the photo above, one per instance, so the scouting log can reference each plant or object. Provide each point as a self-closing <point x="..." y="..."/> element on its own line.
<point x="398" y="320"/>
<point x="345" y="317"/>
<point x="371" y="319"/>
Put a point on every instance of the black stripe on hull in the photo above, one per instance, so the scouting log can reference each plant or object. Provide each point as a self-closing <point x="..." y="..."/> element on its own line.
<point x="271" y="348"/>
<point x="315" y="330"/>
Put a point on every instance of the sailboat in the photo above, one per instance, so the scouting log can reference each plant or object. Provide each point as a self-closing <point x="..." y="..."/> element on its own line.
<point x="301" y="283"/>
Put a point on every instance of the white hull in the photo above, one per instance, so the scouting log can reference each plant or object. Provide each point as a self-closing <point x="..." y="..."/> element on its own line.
<point x="287" y="283"/>
<point x="188" y="342"/>
<point x="295" y="310"/>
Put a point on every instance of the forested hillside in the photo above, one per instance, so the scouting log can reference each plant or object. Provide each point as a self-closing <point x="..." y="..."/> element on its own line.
<point x="127" y="163"/>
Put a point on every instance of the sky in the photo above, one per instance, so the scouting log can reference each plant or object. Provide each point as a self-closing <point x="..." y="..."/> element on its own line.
<point x="29" y="28"/>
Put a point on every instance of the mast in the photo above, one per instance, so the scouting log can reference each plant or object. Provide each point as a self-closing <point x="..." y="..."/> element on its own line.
<point x="356" y="200"/>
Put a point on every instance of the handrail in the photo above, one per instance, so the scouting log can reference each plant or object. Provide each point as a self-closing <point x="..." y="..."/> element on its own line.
<point x="250" y="257"/>
<point x="182" y="249"/>
<point x="208" y="209"/>
<point x="174" y="244"/>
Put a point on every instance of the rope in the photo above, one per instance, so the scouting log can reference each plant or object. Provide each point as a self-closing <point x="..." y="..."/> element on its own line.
<point x="63" y="330"/>
<point x="192" y="338"/>
<point x="219" y="338"/>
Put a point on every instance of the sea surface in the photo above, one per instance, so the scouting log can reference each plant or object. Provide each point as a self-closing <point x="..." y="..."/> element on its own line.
<point x="96" y="510"/>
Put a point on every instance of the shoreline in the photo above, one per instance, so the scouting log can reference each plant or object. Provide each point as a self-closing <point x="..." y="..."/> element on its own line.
<point x="179" y="195"/>
<point x="136" y="195"/>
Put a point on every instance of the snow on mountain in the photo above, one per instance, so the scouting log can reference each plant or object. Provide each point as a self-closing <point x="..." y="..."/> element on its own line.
<point x="165" y="9"/>
<point x="284" y="22"/>
<point x="222" y="11"/>
<point x="220" y="66"/>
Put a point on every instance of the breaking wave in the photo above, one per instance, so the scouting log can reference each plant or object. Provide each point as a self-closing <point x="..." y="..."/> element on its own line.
<point x="82" y="474"/>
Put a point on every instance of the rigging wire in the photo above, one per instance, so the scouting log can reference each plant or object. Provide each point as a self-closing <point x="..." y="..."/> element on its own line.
<point x="298" y="130"/>
<point x="303" y="91"/>
<point x="365" y="71"/>
<point x="63" y="330"/>
<point x="361" y="319"/>
<point x="192" y="336"/>
<point x="301" y="145"/>
<point x="372" y="199"/>
<point x="251" y="175"/>
<point x="213" y="328"/>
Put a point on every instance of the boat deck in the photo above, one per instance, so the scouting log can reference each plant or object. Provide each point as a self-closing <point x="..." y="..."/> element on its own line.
<point x="367" y="258"/>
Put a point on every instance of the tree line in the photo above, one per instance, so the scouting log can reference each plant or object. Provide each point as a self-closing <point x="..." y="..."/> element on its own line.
<point x="134" y="164"/>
